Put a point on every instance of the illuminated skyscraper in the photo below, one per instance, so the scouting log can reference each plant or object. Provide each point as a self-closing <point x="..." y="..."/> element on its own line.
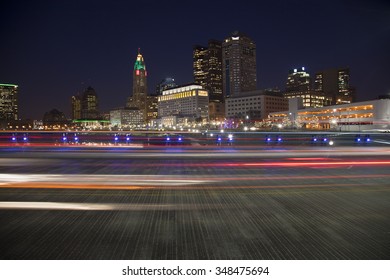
<point x="140" y="87"/>
<point x="85" y="106"/>
<point x="334" y="83"/>
<point x="298" y="81"/>
<point x="76" y="107"/>
<point x="299" y="85"/>
<point x="207" y="69"/>
<point x="8" y="102"/>
<point x="89" y="105"/>
<point x="238" y="64"/>
<point x="200" y="65"/>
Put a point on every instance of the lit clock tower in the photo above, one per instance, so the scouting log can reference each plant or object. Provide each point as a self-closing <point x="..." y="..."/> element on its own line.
<point x="140" y="76"/>
<point x="140" y="87"/>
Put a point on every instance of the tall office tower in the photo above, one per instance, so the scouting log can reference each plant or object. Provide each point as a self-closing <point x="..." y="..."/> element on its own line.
<point x="298" y="81"/>
<point x="238" y="64"/>
<point x="151" y="108"/>
<point x="207" y="69"/>
<point x="76" y="107"/>
<point x="334" y="83"/>
<point x="89" y="105"/>
<point x="8" y="102"/>
<point x="140" y="86"/>
<point x="299" y="85"/>
<point x="214" y="80"/>
<point x="200" y="65"/>
<point x="165" y="84"/>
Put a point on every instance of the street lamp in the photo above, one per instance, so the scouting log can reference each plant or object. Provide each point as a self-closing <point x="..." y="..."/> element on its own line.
<point x="292" y="119"/>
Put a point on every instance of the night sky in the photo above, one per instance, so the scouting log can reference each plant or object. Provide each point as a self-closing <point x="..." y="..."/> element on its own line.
<point x="55" y="49"/>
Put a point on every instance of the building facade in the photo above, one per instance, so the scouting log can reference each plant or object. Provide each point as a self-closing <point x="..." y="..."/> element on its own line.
<point x="335" y="85"/>
<point x="238" y="65"/>
<point x="8" y="102"/>
<point x="298" y="81"/>
<point x="126" y="117"/>
<point x="299" y="85"/>
<point x="255" y="105"/>
<point x="188" y="101"/>
<point x="151" y="109"/>
<point x="55" y="119"/>
<point x="358" y="116"/>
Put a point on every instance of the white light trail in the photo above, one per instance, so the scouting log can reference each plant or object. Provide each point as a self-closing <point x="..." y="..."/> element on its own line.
<point x="134" y="180"/>
<point x="28" y="205"/>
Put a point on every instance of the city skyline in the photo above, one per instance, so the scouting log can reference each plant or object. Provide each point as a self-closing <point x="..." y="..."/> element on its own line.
<point x="56" y="50"/>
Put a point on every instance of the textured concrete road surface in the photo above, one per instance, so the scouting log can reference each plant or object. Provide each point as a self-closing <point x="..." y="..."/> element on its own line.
<point x="195" y="203"/>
